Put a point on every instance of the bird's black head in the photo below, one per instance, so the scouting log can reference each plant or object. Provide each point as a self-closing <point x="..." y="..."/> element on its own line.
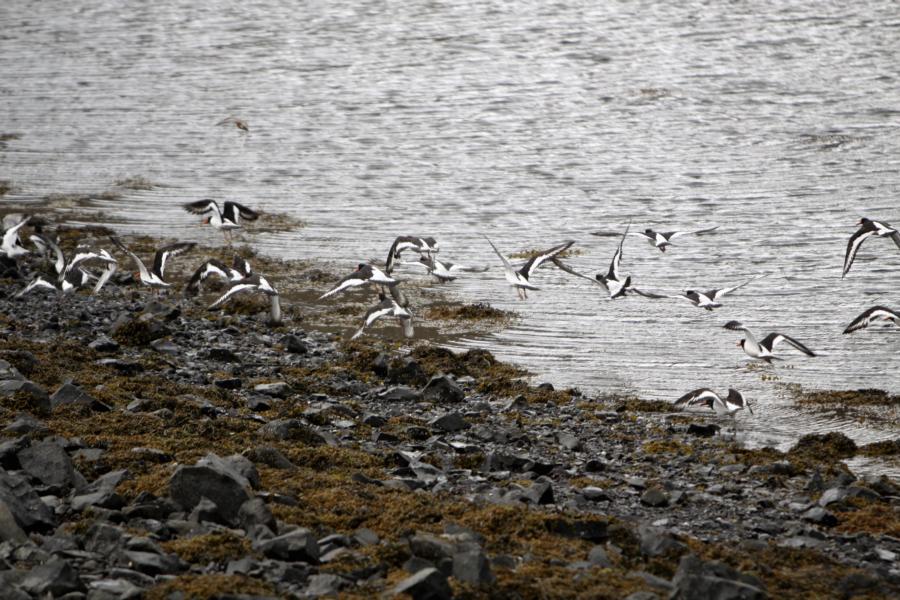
<point x="741" y="343"/>
<point x="360" y="266"/>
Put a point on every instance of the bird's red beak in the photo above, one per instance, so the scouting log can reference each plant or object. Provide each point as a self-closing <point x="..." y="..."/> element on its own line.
<point x="738" y="344"/>
<point x="206" y="221"/>
<point x="136" y="275"/>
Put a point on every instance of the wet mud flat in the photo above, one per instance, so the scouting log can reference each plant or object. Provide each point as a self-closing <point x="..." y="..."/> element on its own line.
<point x="152" y="448"/>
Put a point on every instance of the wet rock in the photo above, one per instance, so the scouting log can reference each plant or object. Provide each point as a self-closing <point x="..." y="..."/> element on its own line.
<point x="294" y="344"/>
<point x="590" y="530"/>
<point x="400" y="393"/>
<point x="440" y="389"/>
<point x="472" y="566"/>
<point x="30" y="513"/>
<point x="278" y="389"/>
<point x="595" y="494"/>
<point x="297" y="545"/>
<point x="450" y="422"/>
<point x="101" y="492"/>
<point x="408" y="372"/>
<point x="713" y="581"/>
<point x="55" y="578"/>
<point x="292" y="429"/>
<point x="36" y="397"/>
<point x="430" y="547"/>
<point x="71" y="394"/>
<point x="114" y="589"/>
<point x="7" y="371"/>
<point x="655" y="497"/>
<point x="703" y="430"/>
<point x="104" y="344"/>
<point x="214" y="479"/>
<point x="374" y="420"/>
<point x="427" y="584"/>
<point x="594" y="466"/>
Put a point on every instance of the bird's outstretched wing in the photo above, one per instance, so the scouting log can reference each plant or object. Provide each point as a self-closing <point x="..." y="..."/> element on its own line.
<point x="876" y="312"/>
<point x="167" y="252"/>
<point x="853" y="245"/>
<point x="773" y="339"/>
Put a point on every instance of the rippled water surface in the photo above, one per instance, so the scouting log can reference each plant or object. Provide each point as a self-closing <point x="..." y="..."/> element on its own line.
<point x="533" y="122"/>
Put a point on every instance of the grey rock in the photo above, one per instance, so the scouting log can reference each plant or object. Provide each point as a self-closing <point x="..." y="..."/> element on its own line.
<point x="656" y="541"/>
<point x="833" y="495"/>
<point x="213" y="479"/>
<point x="229" y="383"/>
<point x="294" y="344"/>
<point x="294" y="430"/>
<point x="55" y="578"/>
<point x="590" y="530"/>
<point x="37" y="398"/>
<point x="25" y="424"/>
<point x="223" y="355"/>
<point x="472" y="566"/>
<point x="599" y="558"/>
<point x="540" y="492"/>
<point x="7" y="371"/>
<point x="820" y="516"/>
<point x="255" y="512"/>
<point x="713" y="581"/>
<point x="25" y="505"/>
<point x="104" y="344"/>
<point x="101" y="492"/>
<point x="365" y="537"/>
<point x="123" y="367"/>
<point x="113" y="589"/>
<point x="427" y="584"/>
<point x="655" y="497"/>
<point x="269" y="456"/>
<point x="9" y="528"/>
<point x="152" y="563"/>
<point x="440" y="389"/>
<point x="104" y="539"/>
<point x="400" y="393"/>
<point x="595" y="494"/>
<point x="568" y="441"/>
<point x="162" y="345"/>
<point x="594" y="466"/>
<point x="374" y="420"/>
<point x="206" y="511"/>
<point x="297" y="545"/>
<point x="48" y="463"/>
<point x="450" y="422"/>
<point x="703" y="430"/>
<point x="71" y="394"/>
<point x="430" y="547"/>
<point x="325" y="584"/>
<point x="278" y="389"/>
<point x="408" y="372"/>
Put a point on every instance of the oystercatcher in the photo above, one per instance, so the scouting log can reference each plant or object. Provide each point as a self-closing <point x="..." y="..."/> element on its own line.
<point x="868" y="229"/>
<point x="764" y="350"/>
<point x="226" y="219"/>
<point x="662" y="240"/>
<point x="154" y="278"/>
<point x="363" y="275"/>
<point x="521" y="278"/>
<point x="876" y="313"/>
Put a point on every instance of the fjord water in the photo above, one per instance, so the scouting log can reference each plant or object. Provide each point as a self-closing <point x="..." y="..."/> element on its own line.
<point x="532" y="122"/>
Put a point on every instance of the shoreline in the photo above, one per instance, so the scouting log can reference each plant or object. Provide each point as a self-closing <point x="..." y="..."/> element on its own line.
<point x="363" y="466"/>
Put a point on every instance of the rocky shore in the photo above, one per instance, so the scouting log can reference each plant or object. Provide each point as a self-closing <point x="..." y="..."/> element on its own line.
<point x="151" y="449"/>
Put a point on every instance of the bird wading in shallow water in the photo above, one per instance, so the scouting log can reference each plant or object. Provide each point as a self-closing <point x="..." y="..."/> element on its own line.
<point x="764" y="350"/>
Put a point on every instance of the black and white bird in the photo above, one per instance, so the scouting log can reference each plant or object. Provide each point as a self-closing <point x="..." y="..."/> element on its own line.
<point x="249" y="284"/>
<point x="215" y="268"/>
<point x="709" y="299"/>
<point x="662" y="240"/>
<point x="765" y="349"/>
<point x="442" y="270"/>
<point x="73" y="273"/>
<point x="363" y="275"/>
<point x="12" y="244"/>
<point x="612" y="281"/>
<point x="867" y="229"/>
<point x="388" y="307"/>
<point x="726" y="406"/>
<point x="520" y="278"/>
<point x="876" y="313"/>
<point x="426" y="246"/>
<point x="155" y="277"/>
<point x="227" y="219"/>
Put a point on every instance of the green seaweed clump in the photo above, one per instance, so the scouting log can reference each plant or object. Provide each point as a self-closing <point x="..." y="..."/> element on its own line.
<point x="816" y="448"/>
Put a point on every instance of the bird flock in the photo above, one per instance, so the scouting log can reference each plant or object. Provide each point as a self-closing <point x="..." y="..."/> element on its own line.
<point x="95" y="266"/>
